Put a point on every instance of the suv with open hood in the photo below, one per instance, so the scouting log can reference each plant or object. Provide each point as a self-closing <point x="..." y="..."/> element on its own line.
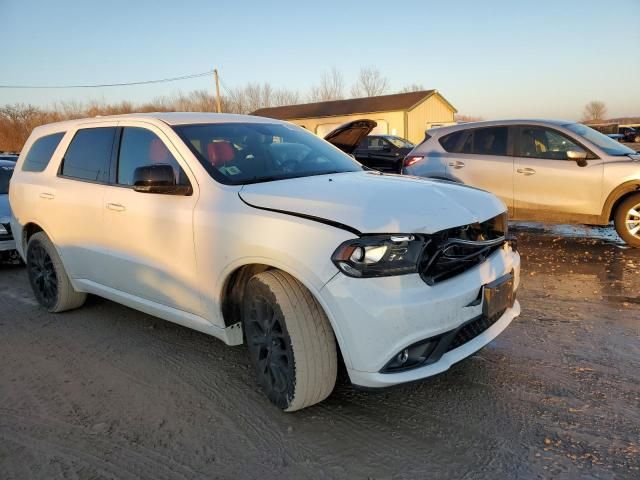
<point x="254" y="230"/>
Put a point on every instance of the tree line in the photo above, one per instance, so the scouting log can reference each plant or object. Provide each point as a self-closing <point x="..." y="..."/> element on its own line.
<point x="18" y="120"/>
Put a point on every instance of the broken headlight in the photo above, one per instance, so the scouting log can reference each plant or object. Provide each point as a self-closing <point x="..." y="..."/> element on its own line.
<point x="379" y="255"/>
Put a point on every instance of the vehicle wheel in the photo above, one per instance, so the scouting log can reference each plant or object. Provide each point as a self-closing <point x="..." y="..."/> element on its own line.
<point x="627" y="220"/>
<point x="290" y="341"/>
<point x="48" y="278"/>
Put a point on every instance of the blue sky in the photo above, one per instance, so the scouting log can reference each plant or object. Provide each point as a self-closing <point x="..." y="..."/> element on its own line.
<point x="494" y="58"/>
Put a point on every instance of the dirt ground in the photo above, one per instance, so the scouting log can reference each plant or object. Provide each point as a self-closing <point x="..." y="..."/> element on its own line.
<point x="107" y="392"/>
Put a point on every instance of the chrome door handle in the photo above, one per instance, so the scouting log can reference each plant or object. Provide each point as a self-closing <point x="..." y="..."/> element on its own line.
<point x="47" y="196"/>
<point x="457" y="164"/>
<point x="116" y="207"/>
<point x="526" y="171"/>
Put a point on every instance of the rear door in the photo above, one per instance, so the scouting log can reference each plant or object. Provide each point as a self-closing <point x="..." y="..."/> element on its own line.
<point x="482" y="157"/>
<point x="72" y="202"/>
<point x="549" y="186"/>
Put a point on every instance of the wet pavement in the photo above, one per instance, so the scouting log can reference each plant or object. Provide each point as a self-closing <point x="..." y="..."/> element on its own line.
<point x="107" y="392"/>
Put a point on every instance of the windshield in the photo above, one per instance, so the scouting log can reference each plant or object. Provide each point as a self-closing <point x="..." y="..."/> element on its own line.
<point x="241" y="153"/>
<point x="400" y="142"/>
<point x="606" y="144"/>
<point x="5" y="176"/>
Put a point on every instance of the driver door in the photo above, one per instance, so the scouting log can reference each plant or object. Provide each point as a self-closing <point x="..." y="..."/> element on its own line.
<point x="548" y="186"/>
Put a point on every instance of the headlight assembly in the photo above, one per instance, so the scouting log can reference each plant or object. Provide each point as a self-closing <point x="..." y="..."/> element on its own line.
<point x="379" y="255"/>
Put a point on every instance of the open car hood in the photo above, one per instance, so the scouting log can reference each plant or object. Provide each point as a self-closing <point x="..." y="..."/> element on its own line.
<point x="367" y="202"/>
<point x="347" y="136"/>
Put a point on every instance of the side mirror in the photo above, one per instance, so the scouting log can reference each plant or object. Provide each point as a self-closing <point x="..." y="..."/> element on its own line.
<point x="580" y="157"/>
<point x="386" y="149"/>
<point x="158" y="179"/>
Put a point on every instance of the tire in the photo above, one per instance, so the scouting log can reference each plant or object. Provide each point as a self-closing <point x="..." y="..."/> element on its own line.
<point x="290" y="341"/>
<point x="626" y="221"/>
<point x="48" y="278"/>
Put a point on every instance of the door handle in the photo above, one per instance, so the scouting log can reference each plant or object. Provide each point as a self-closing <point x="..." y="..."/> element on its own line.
<point x="47" y="196"/>
<point x="116" y="207"/>
<point x="457" y="164"/>
<point x="526" y="171"/>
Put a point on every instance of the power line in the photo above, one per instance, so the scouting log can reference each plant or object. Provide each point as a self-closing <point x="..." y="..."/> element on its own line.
<point x="144" y="82"/>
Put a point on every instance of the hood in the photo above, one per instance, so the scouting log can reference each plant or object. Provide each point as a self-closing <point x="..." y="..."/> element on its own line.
<point x="372" y="203"/>
<point x="5" y="210"/>
<point x="347" y="136"/>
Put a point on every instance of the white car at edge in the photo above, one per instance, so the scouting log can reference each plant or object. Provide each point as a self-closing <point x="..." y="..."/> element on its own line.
<point x="254" y="230"/>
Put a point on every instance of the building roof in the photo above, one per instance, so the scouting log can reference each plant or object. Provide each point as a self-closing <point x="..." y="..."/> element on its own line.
<point x="383" y="103"/>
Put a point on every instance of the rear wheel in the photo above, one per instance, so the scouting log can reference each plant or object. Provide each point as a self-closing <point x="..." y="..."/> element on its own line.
<point x="48" y="278"/>
<point x="627" y="220"/>
<point x="290" y="341"/>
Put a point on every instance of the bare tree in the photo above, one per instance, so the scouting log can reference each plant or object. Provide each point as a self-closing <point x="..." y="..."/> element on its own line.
<point x="370" y="83"/>
<point x="468" y="118"/>
<point x="331" y="87"/>
<point x="595" y="110"/>
<point x="414" y="87"/>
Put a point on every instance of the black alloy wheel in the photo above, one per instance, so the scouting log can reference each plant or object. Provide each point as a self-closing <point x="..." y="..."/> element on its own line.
<point x="42" y="275"/>
<point x="270" y="348"/>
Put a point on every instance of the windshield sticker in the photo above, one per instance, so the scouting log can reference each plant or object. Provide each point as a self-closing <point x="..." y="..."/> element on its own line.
<point x="230" y="170"/>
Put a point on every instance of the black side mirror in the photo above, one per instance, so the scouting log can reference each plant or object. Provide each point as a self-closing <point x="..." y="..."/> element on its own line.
<point x="386" y="149"/>
<point x="158" y="179"/>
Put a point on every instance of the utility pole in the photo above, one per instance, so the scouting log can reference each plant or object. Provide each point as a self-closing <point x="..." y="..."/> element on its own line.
<point x="218" y="104"/>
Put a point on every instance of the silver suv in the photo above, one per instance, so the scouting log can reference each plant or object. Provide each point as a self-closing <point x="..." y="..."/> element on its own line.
<point x="543" y="170"/>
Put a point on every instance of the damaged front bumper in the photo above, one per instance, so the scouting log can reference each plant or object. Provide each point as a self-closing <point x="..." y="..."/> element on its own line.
<point x="376" y="318"/>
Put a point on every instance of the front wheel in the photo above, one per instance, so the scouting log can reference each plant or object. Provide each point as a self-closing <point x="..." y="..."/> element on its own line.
<point x="290" y="341"/>
<point x="627" y="220"/>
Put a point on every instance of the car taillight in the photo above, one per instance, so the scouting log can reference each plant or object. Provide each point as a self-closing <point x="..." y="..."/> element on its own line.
<point x="408" y="161"/>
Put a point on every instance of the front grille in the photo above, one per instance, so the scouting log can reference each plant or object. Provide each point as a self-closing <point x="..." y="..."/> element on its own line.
<point x="7" y="236"/>
<point x="472" y="329"/>
<point x="453" y="251"/>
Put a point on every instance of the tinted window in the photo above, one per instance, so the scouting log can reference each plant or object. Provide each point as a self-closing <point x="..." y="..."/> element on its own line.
<point x="39" y="154"/>
<point x="452" y="142"/>
<point x="490" y="141"/>
<point x="540" y="142"/>
<point x="140" y="147"/>
<point x="5" y="175"/>
<point x="240" y="153"/>
<point x="378" y="143"/>
<point x="88" y="155"/>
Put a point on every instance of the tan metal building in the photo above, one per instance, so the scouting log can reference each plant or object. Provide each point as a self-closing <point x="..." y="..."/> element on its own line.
<point x="406" y="115"/>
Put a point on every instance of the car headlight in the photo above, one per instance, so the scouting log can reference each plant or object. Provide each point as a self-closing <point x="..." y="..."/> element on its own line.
<point x="3" y="231"/>
<point x="379" y="255"/>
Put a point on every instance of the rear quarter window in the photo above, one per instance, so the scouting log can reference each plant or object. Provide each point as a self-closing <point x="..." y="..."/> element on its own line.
<point x="39" y="155"/>
<point x="452" y="142"/>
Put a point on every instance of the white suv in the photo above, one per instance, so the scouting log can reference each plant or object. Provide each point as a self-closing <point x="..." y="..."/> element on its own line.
<point x="251" y="229"/>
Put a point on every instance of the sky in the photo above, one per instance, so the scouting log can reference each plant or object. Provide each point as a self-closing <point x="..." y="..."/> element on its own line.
<point x="489" y="58"/>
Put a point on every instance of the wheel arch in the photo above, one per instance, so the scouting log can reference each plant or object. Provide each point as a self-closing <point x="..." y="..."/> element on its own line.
<point x="29" y="229"/>
<point x="235" y="282"/>
<point x="617" y="196"/>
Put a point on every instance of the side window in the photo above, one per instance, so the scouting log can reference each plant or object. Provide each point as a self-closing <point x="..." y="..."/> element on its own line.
<point x="490" y="141"/>
<point x="452" y="142"/>
<point x="540" y="142"/>
<point x="40" y="153"/>
<point x="88" y="155"/>
<point x="140" y="147"/>
<point x="377" y="143"/>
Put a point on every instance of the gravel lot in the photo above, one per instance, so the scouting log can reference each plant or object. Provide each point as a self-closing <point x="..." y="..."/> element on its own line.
<point x="106" y="392"/>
